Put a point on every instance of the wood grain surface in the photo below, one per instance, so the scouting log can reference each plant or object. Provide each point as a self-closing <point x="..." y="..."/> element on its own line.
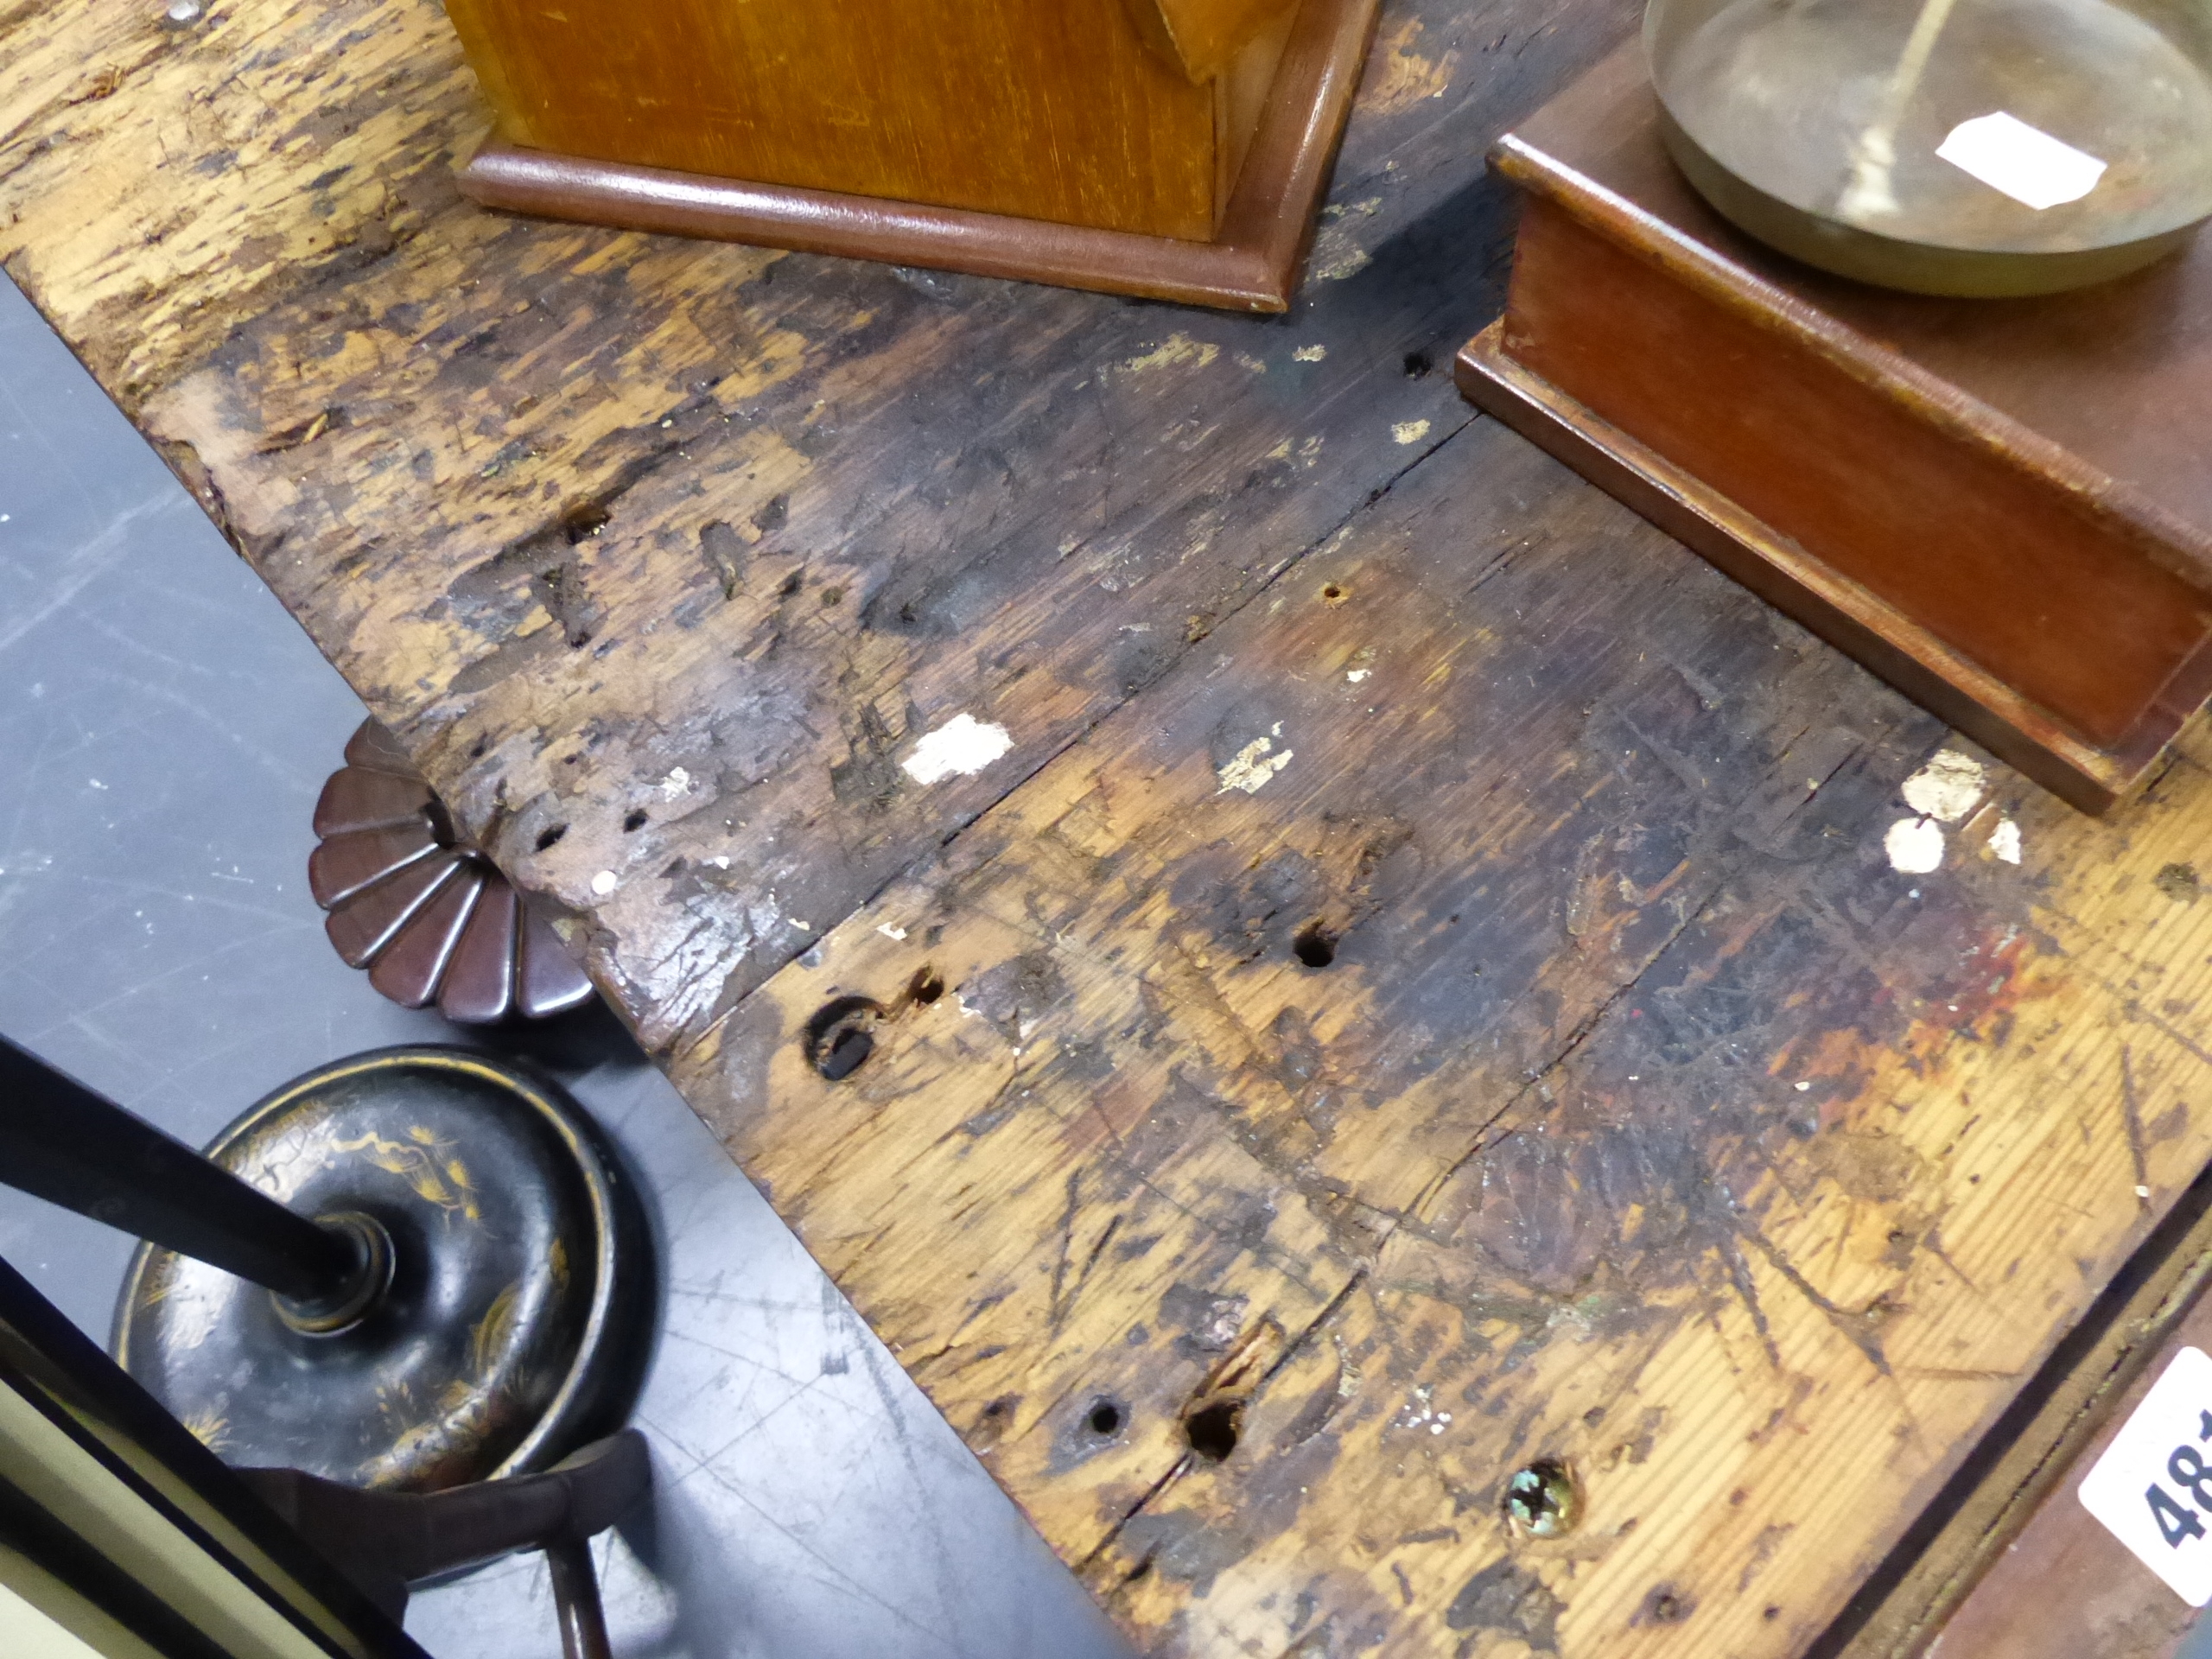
<point x="1424" y="986"/>
<point x="1061" y="110"/>
<point x="1252" y="262"/>
<point x="2064" y="1585"/>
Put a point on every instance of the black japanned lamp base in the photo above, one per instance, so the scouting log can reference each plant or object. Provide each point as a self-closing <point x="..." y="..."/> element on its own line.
<point x="517" y="1307"/>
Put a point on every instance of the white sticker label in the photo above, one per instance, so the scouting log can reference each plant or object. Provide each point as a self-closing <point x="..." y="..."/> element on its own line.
<point x="2027" y="164"/>
<point x="2153" y="1488"/>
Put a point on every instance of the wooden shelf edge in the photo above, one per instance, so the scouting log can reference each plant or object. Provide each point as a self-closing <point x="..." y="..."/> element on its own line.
<point x="1253" y="267"/>
<point x="1885" y="639"/>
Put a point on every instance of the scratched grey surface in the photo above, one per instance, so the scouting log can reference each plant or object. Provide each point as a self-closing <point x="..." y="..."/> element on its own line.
<point x="164" y="728"/>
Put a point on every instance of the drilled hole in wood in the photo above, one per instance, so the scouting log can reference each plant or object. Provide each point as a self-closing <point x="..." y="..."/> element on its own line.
<point x="1543" y="1499"/>
<point x="1417" y="364"/>
<point x="547" y="838"/>
<point x="1212" y="1429"/>
<point x="925" y="986"/>
<point x="1335" y="593"/>
<point x="1104" y="1420"/>
<point x="842" y="1036"/>
<point x="1314" y="945"/>
<point x="635" y="821"/>
<point x="583" y="521"/>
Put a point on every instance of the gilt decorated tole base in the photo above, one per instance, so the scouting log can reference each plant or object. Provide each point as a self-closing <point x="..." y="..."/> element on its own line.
<point x="507" y="1329"/>
<point x="429" y="917"/>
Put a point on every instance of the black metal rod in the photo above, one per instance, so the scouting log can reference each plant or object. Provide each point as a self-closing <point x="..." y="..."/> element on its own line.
<point x="62" y="1142"/>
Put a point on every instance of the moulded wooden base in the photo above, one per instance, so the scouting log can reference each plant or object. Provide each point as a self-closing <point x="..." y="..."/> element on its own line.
<point x="1880" y="635"/>
<point x="2002" y="507"/>
<point x="1251" y="266"/>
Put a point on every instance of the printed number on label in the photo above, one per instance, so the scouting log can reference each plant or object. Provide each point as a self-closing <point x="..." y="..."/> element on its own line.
<point x="2152" y="1485"/>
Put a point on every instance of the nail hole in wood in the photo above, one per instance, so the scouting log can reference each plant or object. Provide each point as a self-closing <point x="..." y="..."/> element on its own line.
<point x="1417" y="364"/>
<point x="635" y="821"/>
<point x="1314" y="945"/>
<point x="842" y="1036"/>
<point x="925" y="986"/>
<point x="1334" y="593"/>
<point x="1212" y="1429"/>
<point x="1105" y="1419"/>
<point x="547" y="838"/>
<point x="583" y="521"/>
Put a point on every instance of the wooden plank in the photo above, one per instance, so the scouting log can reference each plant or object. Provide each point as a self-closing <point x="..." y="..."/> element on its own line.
<point x="664" y="558"/>
<point x="2065" y="1585"/>
<point x="1526" y="1171"/>
<point x="542" y="492"/>
<point x="1974" y="1580"/>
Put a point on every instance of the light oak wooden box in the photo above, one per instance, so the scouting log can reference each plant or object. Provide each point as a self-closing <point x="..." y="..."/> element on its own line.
<point x="2004" y="507"/>
<point x="1174" y="148"/>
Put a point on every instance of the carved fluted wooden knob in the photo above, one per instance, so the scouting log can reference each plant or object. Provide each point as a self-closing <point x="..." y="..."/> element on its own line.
<point x="429" y="917"/>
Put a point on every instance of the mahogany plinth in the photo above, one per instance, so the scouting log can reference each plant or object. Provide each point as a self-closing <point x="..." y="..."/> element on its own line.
<point x="2004" y="507"/>
<point x="1251" y="263"/>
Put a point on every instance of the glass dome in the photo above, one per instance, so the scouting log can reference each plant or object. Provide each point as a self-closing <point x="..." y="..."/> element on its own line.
<point x="1985" y="147"/>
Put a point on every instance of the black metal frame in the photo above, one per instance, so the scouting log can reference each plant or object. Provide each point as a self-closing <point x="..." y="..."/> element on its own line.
<point x="62" y="1143"/>
<point x="62" y="1373"/>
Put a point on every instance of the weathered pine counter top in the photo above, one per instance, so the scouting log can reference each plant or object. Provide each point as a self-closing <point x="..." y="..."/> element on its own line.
<point x="1428" y="984"/>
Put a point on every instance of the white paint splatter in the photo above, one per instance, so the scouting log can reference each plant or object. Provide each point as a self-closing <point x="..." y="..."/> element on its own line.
<point x="2142" y="1192"/>
<point x="1947" y="787"/>
<point x="1356" y="675"/>
<point x="1310" y="354"/>
<point x="1177" y="348"/>
<point x="961" y="747"/>
<point x="897" y="934"/>
<point x="1410" y="431"/>
<point x="678" y="782"/>
<point x="1914" y="845"/>
<point x="1803" y="1087"/>
<point x="2005" y="840"/>
<point x="603" y="883"/>
<point x="1254" y="764"/>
